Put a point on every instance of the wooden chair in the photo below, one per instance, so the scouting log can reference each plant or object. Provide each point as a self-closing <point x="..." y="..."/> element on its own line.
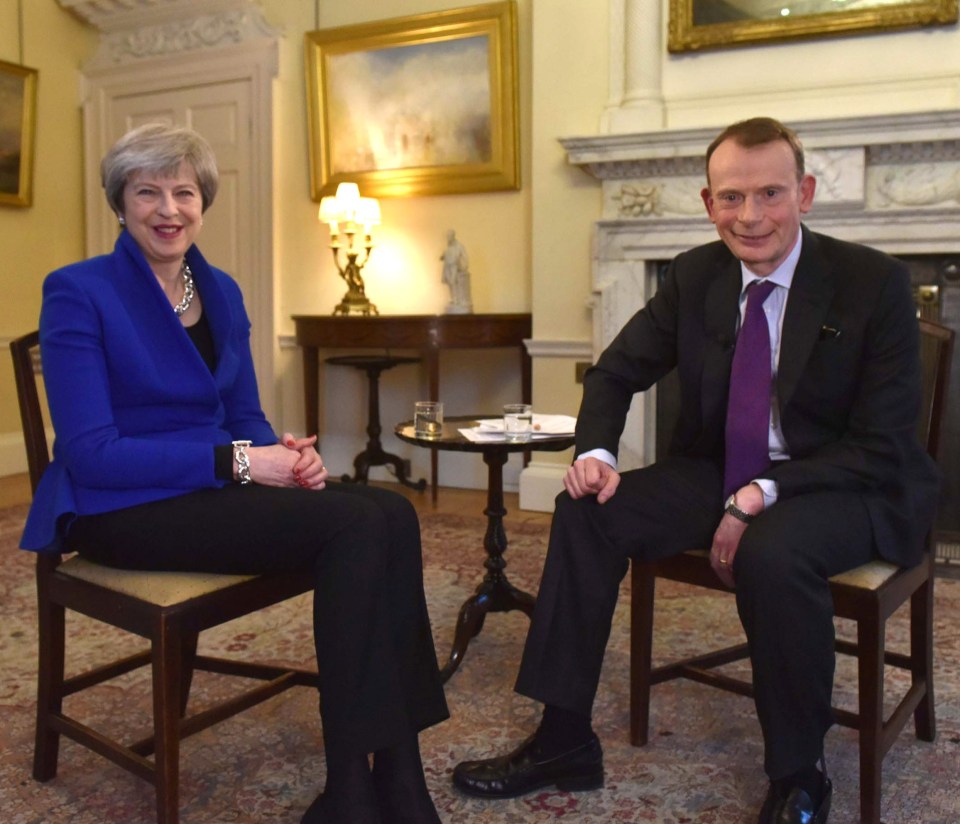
<point x="868" y="595"/>
<point x="168" y="609"/>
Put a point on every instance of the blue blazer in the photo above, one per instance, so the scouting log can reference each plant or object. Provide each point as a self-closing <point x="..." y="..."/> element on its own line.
<point x="135" y="409"/>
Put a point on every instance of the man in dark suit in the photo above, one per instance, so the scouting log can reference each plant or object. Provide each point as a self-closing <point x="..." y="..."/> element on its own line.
<point x="839" y="477"/>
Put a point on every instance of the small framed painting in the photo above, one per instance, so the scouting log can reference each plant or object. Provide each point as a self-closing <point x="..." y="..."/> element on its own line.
<point x="18" y="117"/>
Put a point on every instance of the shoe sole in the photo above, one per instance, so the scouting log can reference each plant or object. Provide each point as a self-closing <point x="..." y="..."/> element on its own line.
<point x="571" y="784"/>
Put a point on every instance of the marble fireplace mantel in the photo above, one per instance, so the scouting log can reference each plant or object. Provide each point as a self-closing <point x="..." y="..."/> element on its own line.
<point x="892" y="182"/>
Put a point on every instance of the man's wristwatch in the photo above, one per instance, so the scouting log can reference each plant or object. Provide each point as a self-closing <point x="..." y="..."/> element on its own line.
<point x="243" y="460"/>
<point x="731" y="508"/>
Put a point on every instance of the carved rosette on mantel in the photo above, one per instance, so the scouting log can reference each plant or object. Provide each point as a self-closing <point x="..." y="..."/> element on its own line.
<point x="137" y="29"/>
<point x="892" y="182"/>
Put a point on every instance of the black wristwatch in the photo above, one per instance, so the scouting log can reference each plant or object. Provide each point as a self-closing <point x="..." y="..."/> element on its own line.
<point x="731" y="508"/>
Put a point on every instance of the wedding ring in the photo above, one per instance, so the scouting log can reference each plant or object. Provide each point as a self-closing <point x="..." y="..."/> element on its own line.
<point x="723" y="562"/>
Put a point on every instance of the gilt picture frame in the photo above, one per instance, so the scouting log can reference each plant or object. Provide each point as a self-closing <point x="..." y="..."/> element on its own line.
<point x="420" y="105"/>
<point x="18" y="118"/>
<point x="696" y="25"/>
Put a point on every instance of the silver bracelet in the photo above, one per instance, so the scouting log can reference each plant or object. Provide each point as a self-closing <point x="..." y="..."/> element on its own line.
<point x="243" y="460"/>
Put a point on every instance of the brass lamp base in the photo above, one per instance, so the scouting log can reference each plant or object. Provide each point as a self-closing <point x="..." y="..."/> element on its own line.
<point x="355" y="301"/>
<point x="355" y="304"/>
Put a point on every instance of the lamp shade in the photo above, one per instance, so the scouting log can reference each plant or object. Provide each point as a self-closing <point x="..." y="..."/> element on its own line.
<point x="368" y="211"/>
<point x="349" y="209"/>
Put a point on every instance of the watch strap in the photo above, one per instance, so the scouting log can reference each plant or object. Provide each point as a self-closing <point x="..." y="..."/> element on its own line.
<point x="734" y="510"/>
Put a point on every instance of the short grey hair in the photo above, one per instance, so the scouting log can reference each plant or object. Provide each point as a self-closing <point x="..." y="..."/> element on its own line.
<point x="158" y="148"/>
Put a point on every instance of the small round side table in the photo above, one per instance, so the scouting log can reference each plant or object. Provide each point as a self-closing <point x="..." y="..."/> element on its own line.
<point x="495" y="593"/>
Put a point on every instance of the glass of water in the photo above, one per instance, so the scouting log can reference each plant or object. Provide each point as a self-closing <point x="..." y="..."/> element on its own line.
<point x="428" y="419"/>
<point x="517" y="422"/>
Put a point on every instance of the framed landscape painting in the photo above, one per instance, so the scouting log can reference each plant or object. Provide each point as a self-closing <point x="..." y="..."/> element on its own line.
<point x="18" y="115"/>
<point x="417" y="105"/>
<point x="713" y="24"/>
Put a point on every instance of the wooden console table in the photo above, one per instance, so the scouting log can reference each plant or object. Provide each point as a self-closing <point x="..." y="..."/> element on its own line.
<point x="428" y="334"/>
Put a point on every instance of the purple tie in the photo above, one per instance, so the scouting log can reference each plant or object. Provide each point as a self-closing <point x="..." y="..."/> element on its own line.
<point x="748" y="408"/>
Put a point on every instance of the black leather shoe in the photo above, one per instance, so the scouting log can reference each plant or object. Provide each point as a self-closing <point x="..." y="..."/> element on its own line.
<point x="786" y="804"/>
<point x="526" y="769"/>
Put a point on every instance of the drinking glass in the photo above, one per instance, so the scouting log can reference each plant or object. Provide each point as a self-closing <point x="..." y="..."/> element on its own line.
<point x="517" y="422"/>
<point x="428" y="419"/>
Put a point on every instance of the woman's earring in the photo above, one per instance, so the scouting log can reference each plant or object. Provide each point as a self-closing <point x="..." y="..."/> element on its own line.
<point x="122" y="219"/>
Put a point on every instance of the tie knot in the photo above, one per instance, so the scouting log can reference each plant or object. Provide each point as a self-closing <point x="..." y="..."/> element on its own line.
<point x="759" y="291"/>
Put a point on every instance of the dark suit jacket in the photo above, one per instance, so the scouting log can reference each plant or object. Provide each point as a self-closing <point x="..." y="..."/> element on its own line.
<point x="848" y="381"/>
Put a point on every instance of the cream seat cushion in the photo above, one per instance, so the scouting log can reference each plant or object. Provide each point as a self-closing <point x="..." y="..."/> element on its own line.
<point x="872" y="575"/>
<point x="161" y="588"/>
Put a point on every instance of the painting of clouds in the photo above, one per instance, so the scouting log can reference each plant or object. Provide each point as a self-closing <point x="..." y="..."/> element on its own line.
<point x="414" y="106"/>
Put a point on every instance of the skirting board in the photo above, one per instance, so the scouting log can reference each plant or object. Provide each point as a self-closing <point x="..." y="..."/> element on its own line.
<point x="540" y="483"/>
<point x="13" y="457"/>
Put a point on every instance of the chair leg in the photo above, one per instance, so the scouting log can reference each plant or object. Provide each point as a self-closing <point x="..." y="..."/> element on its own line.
<point x="921" y="655"/>
<point x="871" y="641"/>
<point x="167" y="650"/>
<point x="642" y="591"/>
<point x="188" y="659"/>
<point x="50" y="671"/>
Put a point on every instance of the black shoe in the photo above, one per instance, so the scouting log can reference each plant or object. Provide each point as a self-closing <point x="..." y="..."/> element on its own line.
<point x="527" y="769"/>
<point x="789" y="804"/>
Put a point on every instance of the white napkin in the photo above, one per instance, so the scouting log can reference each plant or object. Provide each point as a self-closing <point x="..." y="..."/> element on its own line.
<point x="542" y="425"/>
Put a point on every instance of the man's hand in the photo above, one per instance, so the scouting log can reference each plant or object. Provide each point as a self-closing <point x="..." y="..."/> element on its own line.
<point x="726" y="540"/>
<point x="591" y="476"/>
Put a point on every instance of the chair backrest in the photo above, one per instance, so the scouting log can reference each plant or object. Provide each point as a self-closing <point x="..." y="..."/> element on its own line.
<point x="936" y="354"/>
<point x="31" y="414"/>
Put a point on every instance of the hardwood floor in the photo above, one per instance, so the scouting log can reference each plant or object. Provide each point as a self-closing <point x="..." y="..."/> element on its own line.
<point x="15" y="489"/>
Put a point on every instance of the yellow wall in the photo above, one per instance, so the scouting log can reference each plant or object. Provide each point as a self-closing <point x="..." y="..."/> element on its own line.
<point x="570" y="63"/>
<point x="48" y="234"/>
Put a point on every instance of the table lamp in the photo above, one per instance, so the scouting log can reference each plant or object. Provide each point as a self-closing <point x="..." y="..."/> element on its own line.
<point x="347" y="214"/>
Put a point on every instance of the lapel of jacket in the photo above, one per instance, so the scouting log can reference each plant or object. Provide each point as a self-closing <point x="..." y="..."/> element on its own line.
<point x="218" y="311"/>
<point x="721" y="309"/>
<point x="810" y="296"/>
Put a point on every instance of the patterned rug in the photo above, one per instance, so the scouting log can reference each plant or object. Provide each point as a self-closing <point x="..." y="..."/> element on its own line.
<point x="703" y="763"/>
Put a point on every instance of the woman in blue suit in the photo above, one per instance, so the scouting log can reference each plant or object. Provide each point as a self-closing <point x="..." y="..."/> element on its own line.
<point x="164" y="460"/>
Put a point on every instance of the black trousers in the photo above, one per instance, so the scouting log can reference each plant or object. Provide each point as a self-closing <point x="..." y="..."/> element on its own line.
<point x="379" y="679"/>
<point x="782" y="568"/>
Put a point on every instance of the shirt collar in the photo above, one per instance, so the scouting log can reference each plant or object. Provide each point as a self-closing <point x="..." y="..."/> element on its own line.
<point x="782" y="275"/>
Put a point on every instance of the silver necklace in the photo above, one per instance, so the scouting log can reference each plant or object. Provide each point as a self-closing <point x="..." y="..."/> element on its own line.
<point x="188" y="290"/>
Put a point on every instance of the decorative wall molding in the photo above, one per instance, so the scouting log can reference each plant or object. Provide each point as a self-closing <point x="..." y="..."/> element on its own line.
<point x="539" y="348"/>
<point x="134" y="30"/>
